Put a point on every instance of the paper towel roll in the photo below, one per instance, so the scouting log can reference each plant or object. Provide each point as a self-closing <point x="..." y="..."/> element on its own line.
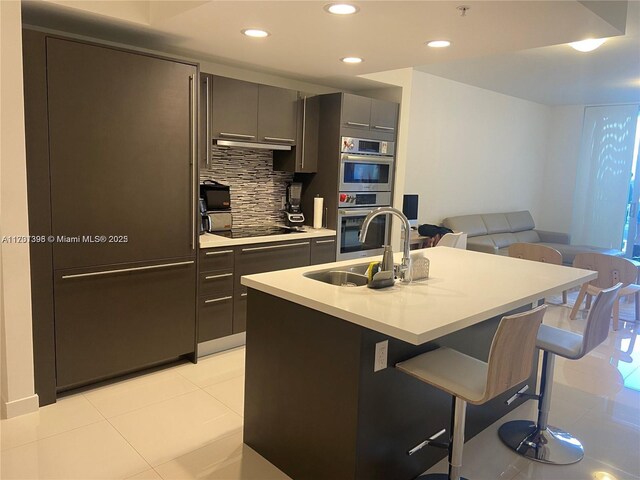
<point x="317" y="212"/>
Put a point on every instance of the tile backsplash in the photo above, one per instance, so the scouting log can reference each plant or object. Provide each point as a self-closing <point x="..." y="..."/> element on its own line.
<point x="256" y="189"/>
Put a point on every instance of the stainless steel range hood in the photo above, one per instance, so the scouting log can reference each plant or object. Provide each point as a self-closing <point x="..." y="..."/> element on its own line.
<point x="260" y="146"/>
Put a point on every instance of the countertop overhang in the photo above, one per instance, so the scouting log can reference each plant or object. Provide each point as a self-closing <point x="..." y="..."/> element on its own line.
<point x="211" y="240"/>
<point x="464" y="288"/>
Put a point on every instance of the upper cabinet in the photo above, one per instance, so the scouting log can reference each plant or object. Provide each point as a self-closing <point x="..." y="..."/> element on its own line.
<point x="234" y="109"/>
<point x="356" y="111"/>
<point x="277" y="111"/>
<point x="249" y="112"/>
<point x="304" y="157"/>
<point x="364" y="114"/>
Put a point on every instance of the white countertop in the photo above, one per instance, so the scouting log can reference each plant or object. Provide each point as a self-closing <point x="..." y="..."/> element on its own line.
<point x="464" y="288"/>
<point x="211" y="240"/>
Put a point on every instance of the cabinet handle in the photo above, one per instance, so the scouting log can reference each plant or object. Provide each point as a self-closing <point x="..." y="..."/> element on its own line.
<point x="278" y="139"/>
<point x="326" y="241"/>
<point x="221" y="252"/>
<point x="357" y="124"/>
<point x="244" y="294"/>
<point x="254" y="249"/>
<point x="304" y="131"/>
<point x="208" y="126"/>
<point x="222" y="275"/>
<point x="122" y="270"/>
<point x="379" y="127"/>
<point x="236" y="135"/>
<point x="194" y="148"/>
<point x="214" y="300"/>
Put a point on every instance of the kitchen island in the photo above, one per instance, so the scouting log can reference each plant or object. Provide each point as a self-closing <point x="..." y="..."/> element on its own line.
<point x="319" y="402"/>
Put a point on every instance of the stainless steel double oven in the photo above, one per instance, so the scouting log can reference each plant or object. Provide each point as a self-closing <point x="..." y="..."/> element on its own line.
<point x="366" y="180"/>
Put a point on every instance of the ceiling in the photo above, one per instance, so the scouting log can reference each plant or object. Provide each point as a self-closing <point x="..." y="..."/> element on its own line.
<point x="306" y="43"/>
<point x="558" y="75"/>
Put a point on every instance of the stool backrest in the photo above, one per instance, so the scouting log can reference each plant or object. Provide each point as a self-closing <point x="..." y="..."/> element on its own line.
<point x="611" y="269"/>
<point x="597" y="328"/>
<point x="535" y="252"/>
<point x="511" y="355"/>
<point x="453" y="240"/>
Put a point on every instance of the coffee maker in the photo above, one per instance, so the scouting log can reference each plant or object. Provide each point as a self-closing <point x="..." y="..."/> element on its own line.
<point x="294" y="218"/>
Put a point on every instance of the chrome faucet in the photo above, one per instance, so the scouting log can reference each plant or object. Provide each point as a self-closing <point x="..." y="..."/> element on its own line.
<point x="404" y="271"/>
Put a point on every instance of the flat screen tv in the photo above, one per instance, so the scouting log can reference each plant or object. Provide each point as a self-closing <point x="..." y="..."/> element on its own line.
<point x="410" y="208"/>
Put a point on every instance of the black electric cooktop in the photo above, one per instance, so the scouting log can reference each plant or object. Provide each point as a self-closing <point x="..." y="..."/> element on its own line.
<point x="258" y="231"/>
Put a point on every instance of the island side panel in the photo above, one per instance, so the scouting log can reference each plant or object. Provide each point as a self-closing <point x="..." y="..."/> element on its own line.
<point x="301" y="388"/>
<point x="413" y="410"/>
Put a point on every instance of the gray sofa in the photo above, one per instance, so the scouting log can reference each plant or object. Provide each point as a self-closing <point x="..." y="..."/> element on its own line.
<point x="494" y="232"/>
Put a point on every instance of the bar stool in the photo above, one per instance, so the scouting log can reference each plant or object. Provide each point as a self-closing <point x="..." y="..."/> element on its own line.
<point x="471" y="380"/>
<point x="540" y="441"/>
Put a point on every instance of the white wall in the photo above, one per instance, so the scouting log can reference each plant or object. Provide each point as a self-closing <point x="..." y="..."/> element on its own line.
<point x="563" y="149"/>
<point x="472" y="150"/>
<point x="16" y="357"/>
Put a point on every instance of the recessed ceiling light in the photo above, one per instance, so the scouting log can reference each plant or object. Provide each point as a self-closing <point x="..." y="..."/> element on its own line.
<point x="588" y="45"/>
<point x="352" y="60"/>
<point x="341" y="8"/>
<point x="438" y="43"/>
<point x="255" y="32"/>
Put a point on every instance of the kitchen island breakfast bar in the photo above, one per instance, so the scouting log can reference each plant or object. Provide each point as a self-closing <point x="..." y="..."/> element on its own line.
<point x="323" y="399"/>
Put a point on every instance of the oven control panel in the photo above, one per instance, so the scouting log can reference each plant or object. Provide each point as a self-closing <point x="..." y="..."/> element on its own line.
<point x="362" y="199"/>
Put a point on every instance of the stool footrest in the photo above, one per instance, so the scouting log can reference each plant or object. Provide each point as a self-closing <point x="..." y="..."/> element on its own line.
<point x="437" y="476"/>
<point x="548" y="445"/>
<point x="430" y="442"/>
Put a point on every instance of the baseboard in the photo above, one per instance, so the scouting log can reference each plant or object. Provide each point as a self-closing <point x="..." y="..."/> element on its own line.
<point x="220" y="344"/>
<point x="21" y="406"/>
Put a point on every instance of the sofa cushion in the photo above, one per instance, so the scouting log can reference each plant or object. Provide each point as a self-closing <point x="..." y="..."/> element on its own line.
<point x="528" y="236"/>
<point x="520" y="221"/>
<point x="503" y="240"/>
<point x="472" y="225"/>
<point x="496" y="223"/>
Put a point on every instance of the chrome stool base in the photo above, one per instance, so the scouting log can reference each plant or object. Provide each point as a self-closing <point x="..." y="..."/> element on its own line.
<point x="550" y="445"/>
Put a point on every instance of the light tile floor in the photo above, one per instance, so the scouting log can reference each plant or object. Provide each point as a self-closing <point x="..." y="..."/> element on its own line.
<point x="186" y="422"/>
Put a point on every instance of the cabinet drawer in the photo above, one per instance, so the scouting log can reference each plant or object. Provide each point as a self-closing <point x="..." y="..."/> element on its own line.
<point x="115" y="321"/>
<point x="272" y="256"/>
<point x="216" y="259"/>
<point x="323" y="250"/>
<point x="215" y="283"/>
<point x="215" y="317"/>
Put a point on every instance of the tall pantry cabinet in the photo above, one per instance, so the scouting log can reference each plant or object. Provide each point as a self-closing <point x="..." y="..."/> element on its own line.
<point x="119" y="146"/>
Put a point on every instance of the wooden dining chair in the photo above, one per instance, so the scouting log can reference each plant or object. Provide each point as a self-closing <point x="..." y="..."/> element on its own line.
<point x="611" y="270"/>
<point x="537" y="253"/>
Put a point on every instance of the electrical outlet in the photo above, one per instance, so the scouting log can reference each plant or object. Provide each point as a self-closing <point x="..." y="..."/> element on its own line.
<point x="380" y="362"/>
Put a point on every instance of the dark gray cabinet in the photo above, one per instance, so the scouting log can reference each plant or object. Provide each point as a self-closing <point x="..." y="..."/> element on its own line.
<point x="215" y="293"/>
<point x="277" y="112"/>
<point x="222" y="304"/>
<point x="304" y="157"/>
<point x="264" y="257"/>
<point x="245" y="111"/>
<point x="118" y="320"/>
<point x="120" y="155"/>
<point x="369" y="116"/>
<point x="323" y="250"/>
<point x="120" y="130"/>
<point x="234" y="109"/>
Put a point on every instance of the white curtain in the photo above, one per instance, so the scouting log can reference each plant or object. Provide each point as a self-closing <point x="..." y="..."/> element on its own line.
<point x="604" y="175"/>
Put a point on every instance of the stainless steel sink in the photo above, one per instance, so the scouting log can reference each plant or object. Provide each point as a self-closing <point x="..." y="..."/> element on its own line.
<point x="353" y="276"/>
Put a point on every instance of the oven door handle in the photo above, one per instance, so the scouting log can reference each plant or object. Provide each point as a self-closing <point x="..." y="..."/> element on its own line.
<point x="355" y="213"/>
<point x="367" y="158"/>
